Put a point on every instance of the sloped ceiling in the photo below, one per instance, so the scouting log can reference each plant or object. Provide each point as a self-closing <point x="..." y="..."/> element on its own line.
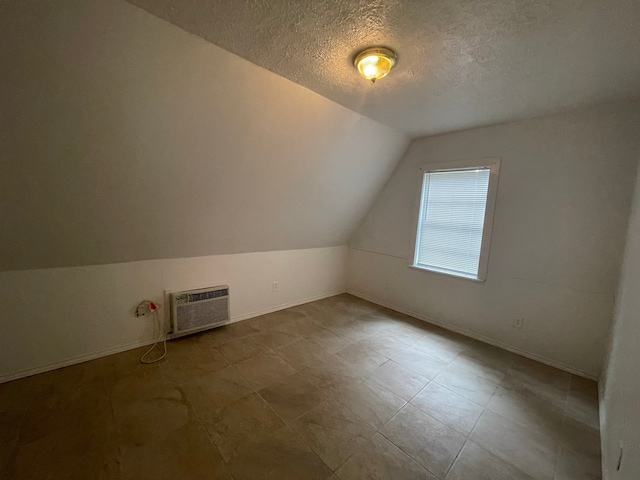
<point x="126" y="138"/>
<point x="462" y="63"/>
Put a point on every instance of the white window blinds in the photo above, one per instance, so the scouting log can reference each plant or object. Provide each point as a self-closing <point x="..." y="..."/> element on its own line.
<point x="449" y="237"/>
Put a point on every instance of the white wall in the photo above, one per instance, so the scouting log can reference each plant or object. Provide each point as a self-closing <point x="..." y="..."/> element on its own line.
<point x="620" y="385"/>
<point x="123" y="137"/>
<point x="59" y="316"/>
<point x="562" y="207"/>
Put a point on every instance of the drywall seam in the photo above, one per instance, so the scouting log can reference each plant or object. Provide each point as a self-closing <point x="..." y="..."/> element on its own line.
<point x="406" y="259"/>
<point x="130" y="346"/>
<point x="381" y="253"/>
<point x="475" y="336"/>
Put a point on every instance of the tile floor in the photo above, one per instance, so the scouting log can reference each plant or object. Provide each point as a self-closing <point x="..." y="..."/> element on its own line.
<point x="338" y="388"/>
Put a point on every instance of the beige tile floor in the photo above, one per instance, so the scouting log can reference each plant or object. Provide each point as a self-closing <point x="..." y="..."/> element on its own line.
<point x="338" y="388"/>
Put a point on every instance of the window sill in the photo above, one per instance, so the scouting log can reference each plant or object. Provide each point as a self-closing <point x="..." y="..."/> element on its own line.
<point x="448" y="274"/>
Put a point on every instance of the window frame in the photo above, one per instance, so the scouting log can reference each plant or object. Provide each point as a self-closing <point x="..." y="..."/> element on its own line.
<point x="493" y="164"/>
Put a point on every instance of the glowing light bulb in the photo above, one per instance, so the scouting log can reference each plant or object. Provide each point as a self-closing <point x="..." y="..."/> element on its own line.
<point x="375" y="63"/>
<point x="370" y="71"/>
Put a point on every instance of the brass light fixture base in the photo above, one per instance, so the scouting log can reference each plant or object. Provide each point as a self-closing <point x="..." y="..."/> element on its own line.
<point x="375" y="62"/>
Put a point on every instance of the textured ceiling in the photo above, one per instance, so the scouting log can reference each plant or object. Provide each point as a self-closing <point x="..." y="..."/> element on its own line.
<point x="460" y="64"/>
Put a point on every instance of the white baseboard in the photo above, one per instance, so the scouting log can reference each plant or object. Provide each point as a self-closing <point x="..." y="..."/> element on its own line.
<point x="130" y="346"/>
<point x="287" y="305"/>
<point x="475" y="336"/>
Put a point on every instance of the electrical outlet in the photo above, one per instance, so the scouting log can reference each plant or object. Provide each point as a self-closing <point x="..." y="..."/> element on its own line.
<point x="141" y="310"/>
<point x="518" y="323"/>
<point x="275" y="286"/>
<point x="146" y="307"/>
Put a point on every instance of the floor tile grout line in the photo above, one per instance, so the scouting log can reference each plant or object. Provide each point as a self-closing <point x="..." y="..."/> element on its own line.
<point x="224" y="463"/>
<point x="179" y="380"/>
<point x="336" y="399"/>
<point x="453" y="462"/>
<point x="466" y="437"/>
<point x="327" y="398"/>
<point x="470" y="440"/>
<point x="561" y="440"/>
<point x="517" y="424"/>
<point x="287" y="425"/>
<point x="411" y="457"/>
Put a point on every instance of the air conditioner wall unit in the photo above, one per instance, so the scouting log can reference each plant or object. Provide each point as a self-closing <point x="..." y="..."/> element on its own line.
<point x="197" y="310"/>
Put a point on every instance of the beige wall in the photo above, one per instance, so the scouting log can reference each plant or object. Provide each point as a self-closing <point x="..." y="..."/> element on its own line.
<point x="620" y="385"/>
<point x="123" y="138"/>
<point x="561" y="213"/>
<point x="59" y="316"/>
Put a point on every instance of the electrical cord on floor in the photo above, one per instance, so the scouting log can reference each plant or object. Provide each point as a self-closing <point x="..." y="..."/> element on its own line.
<point x="153" y="308"/>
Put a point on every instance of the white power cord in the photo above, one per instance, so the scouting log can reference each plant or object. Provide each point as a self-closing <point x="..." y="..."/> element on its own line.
<point x="151" y="307"/>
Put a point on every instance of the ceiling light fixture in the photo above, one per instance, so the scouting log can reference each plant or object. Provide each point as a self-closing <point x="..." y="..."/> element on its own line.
<point x="375" y="62"/>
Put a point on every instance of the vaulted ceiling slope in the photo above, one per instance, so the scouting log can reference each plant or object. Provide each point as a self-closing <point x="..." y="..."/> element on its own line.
<point x="126" y="138"/>
<point x="462" y="63"/>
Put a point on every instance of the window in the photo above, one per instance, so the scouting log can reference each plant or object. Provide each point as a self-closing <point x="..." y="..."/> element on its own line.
<point x="454" y="217"/>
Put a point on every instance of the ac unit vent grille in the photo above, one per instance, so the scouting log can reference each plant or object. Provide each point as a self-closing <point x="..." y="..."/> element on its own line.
<point x="198" y="297"/>
<point x="198" y="310"/>
<point x="197" y="315"/>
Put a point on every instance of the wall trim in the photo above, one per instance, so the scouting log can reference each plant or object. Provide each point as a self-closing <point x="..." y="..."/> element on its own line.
<point x="603" y="431"/>
<point x="130" y="346"/>
<point x="468" y="333"/>
<point x="283" y="306"/>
